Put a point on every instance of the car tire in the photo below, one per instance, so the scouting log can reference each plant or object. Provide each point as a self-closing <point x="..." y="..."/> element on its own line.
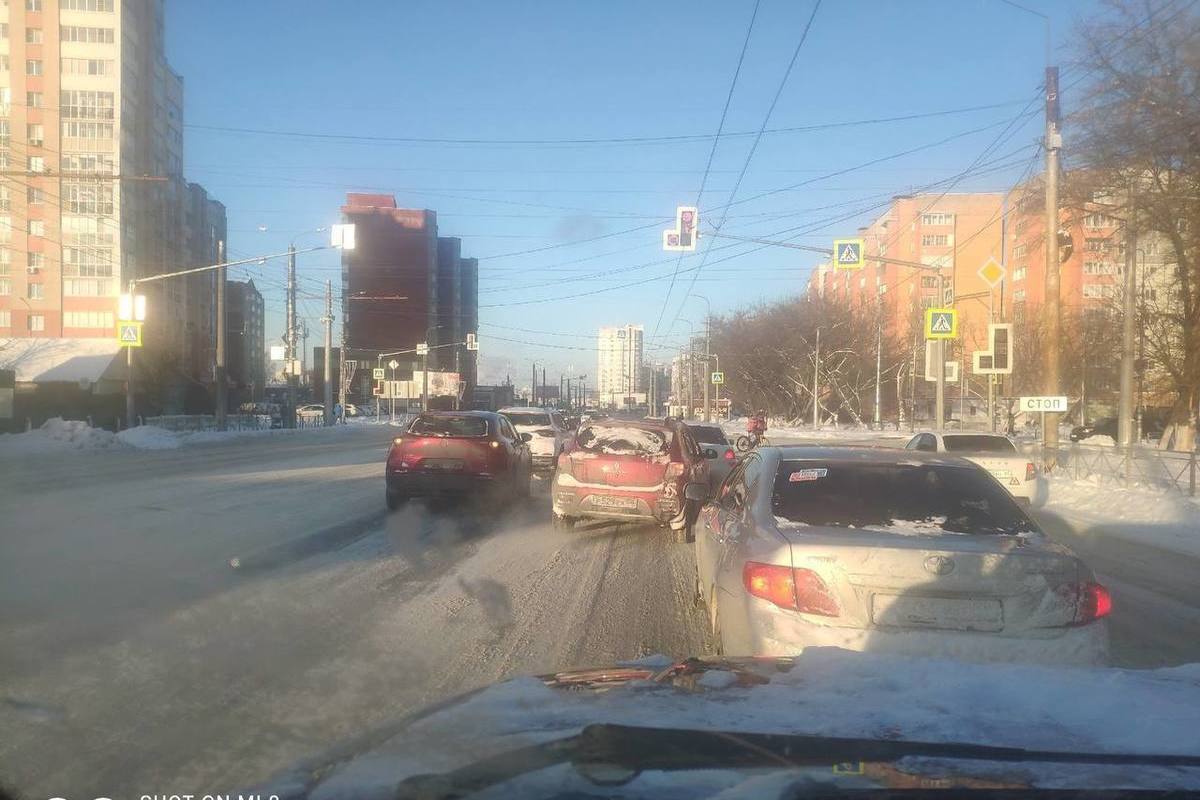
<point x="564" y="524"/>
<point x="743" y="444"/>
<point x="395" y="501"/>
<point x="715" y="623"/>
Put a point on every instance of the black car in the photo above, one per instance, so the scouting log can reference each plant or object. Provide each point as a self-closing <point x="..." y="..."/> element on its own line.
<point x="1106" y="426"/>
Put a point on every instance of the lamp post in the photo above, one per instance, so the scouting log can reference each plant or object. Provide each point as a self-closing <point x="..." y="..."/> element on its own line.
<point x="707" y="351"/>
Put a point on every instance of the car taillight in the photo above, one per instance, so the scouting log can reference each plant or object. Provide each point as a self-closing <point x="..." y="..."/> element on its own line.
<point x="1030" y="470"/>
<point x="794" y="589"/>
<point x="1095" y="603"/>
<point x="730" y="455"/>
<point x="674" y="469"/>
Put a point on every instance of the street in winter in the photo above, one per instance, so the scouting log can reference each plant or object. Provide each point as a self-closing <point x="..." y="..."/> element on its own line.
<point x="745" y="399"/>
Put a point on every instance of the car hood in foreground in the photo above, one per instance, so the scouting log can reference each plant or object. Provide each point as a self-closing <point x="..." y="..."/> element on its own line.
<point x="826" y="720"/>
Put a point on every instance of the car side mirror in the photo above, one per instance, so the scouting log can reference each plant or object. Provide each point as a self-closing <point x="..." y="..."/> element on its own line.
<point x="526" y="437"/>
<point x="696" y="491"/>
<point x="710" y="453"/>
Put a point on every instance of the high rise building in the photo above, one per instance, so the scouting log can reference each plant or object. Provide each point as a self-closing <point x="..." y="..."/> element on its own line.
<point x="245" y="342"/>
<point x="619" y="364"/>
<point x="92" y="113"/>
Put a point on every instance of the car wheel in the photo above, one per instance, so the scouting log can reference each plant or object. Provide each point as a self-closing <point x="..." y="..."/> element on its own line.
<point x="715" y="622"/>
<point x="395" y="501"/>
<point x="565" y="524"/>
<point x="743" y="444"/>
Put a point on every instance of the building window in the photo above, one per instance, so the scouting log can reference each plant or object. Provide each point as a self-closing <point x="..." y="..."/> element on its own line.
<point x="1019" y="296"/>
<point x="33" y="66"/>
<point x="33" y="36"/>
<point x="37" y="322"/>
<point x="5" y="319"/>
<point x="1095" y="221"/>
<point x="80" y="33"/>
<point x="82" y="104"/>
<point x="33" y="5"/>
<point x="105" y="6"/>
<point x="5" y="98"/>
<point x="937" y="218"/>
<point x="88" y="162"/>
<point x="1020" y="251"/>
<point x="87" y="66"/>
<point x="5" y="260"/>
<point x="5" y="199"/>
<point x="35" y="261"/>
<point x="35" y="134"/>
<point x="37" y="227"/>
<point x="33" y="99"/>
<point x="35" y="196"/>
<point x="88" y="319"/>
<point x="1099" y="268"/>
<point x="1096" y="291"/>
<point x="87" y="287"/>
<point x="5" y="287"/>
<point x="5" y="229"/>
<point x="4" y="30"/>
<point x="37" y="164"/>
<point x="87" y="198"/>
<point x="1097" y="244"/>
<point x="4" y="62"/>
<point x="36" y="291"/>
<point x="87" y="262"/>
<point x="74" y="129"/>
<point x="929" y="282"/>
<point x="935" y="240"/>
<point x="1019" y="273"/>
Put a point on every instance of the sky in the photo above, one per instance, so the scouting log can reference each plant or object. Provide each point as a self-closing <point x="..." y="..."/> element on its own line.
<point x="557" y="138"/>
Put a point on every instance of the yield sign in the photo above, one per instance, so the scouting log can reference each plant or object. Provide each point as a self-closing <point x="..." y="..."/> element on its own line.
<point x="992" y="273"/>
<point x="129" y="334"/>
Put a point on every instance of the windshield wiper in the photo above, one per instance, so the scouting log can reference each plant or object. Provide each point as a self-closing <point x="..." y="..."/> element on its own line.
<point x="635" y="749"/>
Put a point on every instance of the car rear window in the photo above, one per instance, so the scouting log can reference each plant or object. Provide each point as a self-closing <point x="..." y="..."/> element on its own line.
<point x="620" y="440"/>
<point x="967" y="443"/>
<point x="708" y="434"/>
<point x="914" y="498"/>
<point x="448" y="426"/>
<point x="529" y="419"/>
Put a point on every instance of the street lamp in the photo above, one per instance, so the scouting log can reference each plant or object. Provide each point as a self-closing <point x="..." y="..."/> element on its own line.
<point x="707" y="350"/>
<point x="690" y="357"/>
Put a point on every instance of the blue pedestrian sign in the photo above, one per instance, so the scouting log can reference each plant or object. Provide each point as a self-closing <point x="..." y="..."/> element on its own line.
<point x="848" y="254"/>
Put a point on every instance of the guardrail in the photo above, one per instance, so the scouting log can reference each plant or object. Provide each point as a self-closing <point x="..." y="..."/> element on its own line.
<point x="1166" y="470"/>
<point x="187" y="423"/>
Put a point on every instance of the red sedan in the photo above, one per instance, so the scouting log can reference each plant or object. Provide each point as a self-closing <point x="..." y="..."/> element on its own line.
<point x="621" y="470"/>
<point x="458" y="453"/>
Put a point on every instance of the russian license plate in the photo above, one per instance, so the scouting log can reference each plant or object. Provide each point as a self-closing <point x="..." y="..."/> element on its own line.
<point x="605" y="501"/>
<point x="1001" y="473"/>
<point x="947" y="613"/>
<point x="444" y="463"/>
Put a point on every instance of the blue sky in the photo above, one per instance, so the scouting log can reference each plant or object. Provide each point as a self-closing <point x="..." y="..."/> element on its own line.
<point x="504" y="71"/>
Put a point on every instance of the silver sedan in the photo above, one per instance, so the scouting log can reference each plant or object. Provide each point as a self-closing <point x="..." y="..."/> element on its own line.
<point x="889" y="551"/>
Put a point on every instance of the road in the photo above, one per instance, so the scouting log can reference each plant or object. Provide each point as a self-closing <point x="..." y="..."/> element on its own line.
<point x="136" y="660"/>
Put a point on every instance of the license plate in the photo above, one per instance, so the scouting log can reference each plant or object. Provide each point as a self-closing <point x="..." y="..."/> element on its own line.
<point x="1001" y="473"/>
<point x="947" y="613"/>
<point x="444" y="463"/>
<point x="614" y="502"/>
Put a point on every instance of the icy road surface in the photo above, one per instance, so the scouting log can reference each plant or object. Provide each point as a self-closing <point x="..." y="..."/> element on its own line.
<point x="134" y="660"/>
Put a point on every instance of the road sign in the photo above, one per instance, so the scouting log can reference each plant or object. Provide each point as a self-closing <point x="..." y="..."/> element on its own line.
<point x="992" y="273"/>
<point x="682" y="238"/>
<point x="950" y="368"/>
<point x="997" y="359"/>
<point x="718" y="378"/>
<point x="342" y="236"/>
<point x="378" y="390"/>
<point x="129" y="334"/>
<point x="423" y="349"/>
<point x="849" y="254"/>
<point x="131" y="308"/>
<point x="941" y="323"/>
<point x="393" y="364"/>
<point x="1047" y="404"/>
<point x="278" y="352"/>
<point x="377" y="374"/>
<point x="472" y="341"/>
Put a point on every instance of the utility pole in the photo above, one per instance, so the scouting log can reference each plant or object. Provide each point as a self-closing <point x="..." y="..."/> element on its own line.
<point x="290" y="338"/>
<point x="222" y="387"/>
<point x="533" y="387"/>
<point x="1125" y="424"/>
<point x="707" y="378"/>
<point x="130" y="420"/>
<point x="878" y="358"/>
<point x="939" y="350"/>
<point x="1053" y="309"/>
<point x="328" y="370"/>
<point x="816" y="379"/>
<point x="543" y="392"/>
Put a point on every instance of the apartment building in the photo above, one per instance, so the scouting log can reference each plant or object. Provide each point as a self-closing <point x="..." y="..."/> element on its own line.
<point x="619" y="363"/>
<point x="92" y="113"/>
<point x="245" y="342"/>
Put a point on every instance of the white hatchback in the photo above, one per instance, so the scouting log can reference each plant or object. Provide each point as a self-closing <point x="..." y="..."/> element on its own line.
<point x="549" y="432"/>
<point x="995" y="452"/>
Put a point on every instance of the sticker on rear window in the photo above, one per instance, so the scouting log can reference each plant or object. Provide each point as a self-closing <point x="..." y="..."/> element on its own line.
<point x="807" y="475"/>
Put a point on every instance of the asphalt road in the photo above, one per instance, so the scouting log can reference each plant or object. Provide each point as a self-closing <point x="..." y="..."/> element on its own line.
<point x="134" y="659"/>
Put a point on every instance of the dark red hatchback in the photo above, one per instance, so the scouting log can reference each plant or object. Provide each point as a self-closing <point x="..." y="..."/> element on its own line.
<point x="458" y="453"/>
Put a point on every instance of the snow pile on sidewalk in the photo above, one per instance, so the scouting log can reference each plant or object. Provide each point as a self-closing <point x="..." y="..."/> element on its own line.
<point x="56" y="436"/>
<point x="149" y="437"/>
<point x="1163" y="519"/>
<point x="736" y="427"/>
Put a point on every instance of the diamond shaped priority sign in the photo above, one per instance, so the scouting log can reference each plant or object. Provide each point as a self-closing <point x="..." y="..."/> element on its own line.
<point x="992" y="273"/>
<point x="941" y="323"/>
<point x="849" y="254"/>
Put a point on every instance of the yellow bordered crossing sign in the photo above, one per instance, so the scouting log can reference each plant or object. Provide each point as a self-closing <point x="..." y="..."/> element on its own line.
<point x="941" y="323"/>
<point x="849" y="254"/>
<point x="129" y="334"/>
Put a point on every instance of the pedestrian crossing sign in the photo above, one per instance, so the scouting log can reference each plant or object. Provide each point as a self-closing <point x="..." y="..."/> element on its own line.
<point x="129" y="334"/>
<point x="941" y="323"/>
<point x="848" y="254"/>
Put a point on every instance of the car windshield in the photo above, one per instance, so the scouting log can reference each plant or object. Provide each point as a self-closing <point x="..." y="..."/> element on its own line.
<point x="526" y="419"/>
<point x="708" y="434"/>
<point x="902" y="498"/>
<point x="622" y="440"/>
<point x="980" y="443"/>
<point x="430" y="425"/>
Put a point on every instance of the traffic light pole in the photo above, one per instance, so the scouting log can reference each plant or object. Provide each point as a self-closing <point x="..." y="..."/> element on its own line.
<point x="219" y="376"/>
<point x="1053" y="307"/>
<point x="290" y="422"/>
<point x="328" y="368"/>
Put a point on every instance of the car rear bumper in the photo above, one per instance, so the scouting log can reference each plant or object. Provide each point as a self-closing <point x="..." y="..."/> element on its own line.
<point x="542" y="461"/>
<point x="775" y="633"/>
<point x="416" y="483"/>
<point x="589" y="504"/>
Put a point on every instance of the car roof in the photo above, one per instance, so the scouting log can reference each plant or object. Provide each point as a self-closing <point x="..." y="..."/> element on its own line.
<point x="526" y="410"/>
<point x="647" y="424"/>
<point x="862" y="455"/>
<point x="483" y="414"/>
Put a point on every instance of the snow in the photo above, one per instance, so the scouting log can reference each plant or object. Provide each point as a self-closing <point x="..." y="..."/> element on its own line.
<point x="1099" y="439"/>
<point x="1168" y="520"/>
<point x="624" y="440"/>
<point x="149" y="437"/>
<point x="833" y="692"/>
<point x="737" y="427"/>
<point x="56" y="436"/>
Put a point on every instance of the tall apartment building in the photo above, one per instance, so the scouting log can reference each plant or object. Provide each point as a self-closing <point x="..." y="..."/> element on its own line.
<point x="245" y="341"/>
<point x="92" y="113"/>
<point x="619" y="363"/>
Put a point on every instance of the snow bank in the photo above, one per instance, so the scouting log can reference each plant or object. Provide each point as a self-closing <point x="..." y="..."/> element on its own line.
<point x="56" y="436"/>
<point x="736" y="427"/>
<point x="1167" y="520"/>
<point x="1099" y="439"/>
<point x="149" y="437"/>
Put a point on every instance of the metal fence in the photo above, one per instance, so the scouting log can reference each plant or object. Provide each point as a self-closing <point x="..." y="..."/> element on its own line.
<point x="1165" y="470"/>
<point x="207" y="422"/>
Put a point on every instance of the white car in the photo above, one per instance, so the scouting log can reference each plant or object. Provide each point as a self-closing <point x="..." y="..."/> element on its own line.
<point x="996" y="453"/>
<point x="549" y="432"/>
<point x="886" y="551"/>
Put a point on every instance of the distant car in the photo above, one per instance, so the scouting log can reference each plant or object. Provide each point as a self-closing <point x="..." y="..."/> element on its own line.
<point x="1105" y="426"/>
<point x="359" y="411"/>
<point x="458" y="453"/>
<point x="549" y="433"/>
<point x="889" y="551"/>
<point x="631" y="470"/>
<point x="716" y="449"/>
<point x="311" y="410"/>
<point x="996" y="453"/>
